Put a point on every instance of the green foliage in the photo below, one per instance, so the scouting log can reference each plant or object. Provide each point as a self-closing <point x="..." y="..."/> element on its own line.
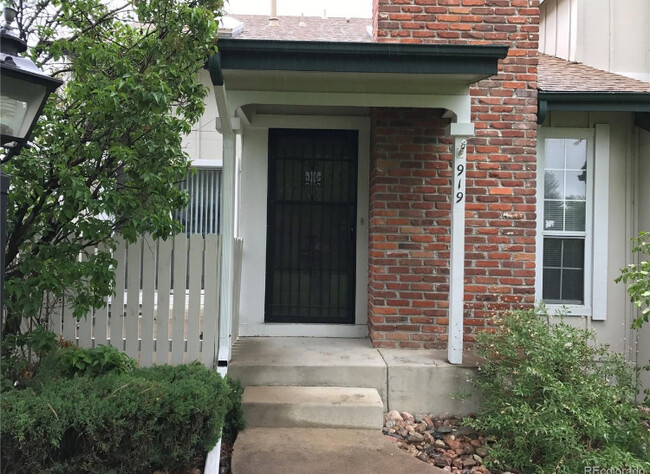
<point x="22" y="352"/>
<point x="235" y="421"/>
<point x="556" y="401"/>
<point x="637" y="279"/>
<point x="106" y="155"/>
<point x="129" y="422"/>
<point x="96" y="361"/>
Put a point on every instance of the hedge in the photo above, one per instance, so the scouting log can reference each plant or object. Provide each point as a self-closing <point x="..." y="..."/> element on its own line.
<point x="149" y="419"/>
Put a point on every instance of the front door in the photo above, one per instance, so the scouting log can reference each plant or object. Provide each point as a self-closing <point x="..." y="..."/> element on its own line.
<point x="311" y="238"/>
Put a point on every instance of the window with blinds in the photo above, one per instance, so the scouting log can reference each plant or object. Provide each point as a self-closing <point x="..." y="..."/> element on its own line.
<point x="565" y="220"/>
<point x="202" y="214"/>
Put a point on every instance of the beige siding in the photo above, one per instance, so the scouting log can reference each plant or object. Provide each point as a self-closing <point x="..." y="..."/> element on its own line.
<point x="558" y="28"/>
<point x="596" y="39"/>
<point x="631" y="39"/>
<point x="606" y="34"/>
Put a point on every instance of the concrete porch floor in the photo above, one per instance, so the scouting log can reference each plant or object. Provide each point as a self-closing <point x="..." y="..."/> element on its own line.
<point x="420" y="381"/>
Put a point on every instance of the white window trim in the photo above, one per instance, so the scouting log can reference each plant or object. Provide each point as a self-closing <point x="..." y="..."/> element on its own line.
<point x="215" y="164"/>
<point x="597" y="219"/>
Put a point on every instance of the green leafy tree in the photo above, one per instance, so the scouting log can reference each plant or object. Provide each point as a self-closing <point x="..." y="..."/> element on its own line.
<point x="106" y="155"/>
<point x="637" y="278"/>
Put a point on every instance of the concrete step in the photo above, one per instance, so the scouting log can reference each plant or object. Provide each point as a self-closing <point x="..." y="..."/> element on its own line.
<point x="312" y="407"/>
<point x="296" y="361"/>
<point x="321" y="451"/>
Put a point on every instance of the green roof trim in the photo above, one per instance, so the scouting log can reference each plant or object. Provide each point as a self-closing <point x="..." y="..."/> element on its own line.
<point x="642" y="120"/>
<point x="591" y="102"/>
<point x="320" y="56"/>
<point x="213" y="65"/>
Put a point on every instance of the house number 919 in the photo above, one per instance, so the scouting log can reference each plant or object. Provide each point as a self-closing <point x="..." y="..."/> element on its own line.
<point x="460" y="175"/>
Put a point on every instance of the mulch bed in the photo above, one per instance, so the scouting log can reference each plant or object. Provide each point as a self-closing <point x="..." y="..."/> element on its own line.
<point x="226" y="455"/>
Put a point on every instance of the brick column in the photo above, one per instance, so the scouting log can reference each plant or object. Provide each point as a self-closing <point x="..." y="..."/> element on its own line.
<point x="410" y="184"/>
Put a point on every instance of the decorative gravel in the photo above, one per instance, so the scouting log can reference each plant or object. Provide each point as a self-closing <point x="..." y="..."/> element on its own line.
<point x="441" y="441"/>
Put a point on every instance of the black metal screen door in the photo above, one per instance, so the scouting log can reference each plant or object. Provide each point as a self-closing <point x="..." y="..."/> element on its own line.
<point x="311" y="238"/>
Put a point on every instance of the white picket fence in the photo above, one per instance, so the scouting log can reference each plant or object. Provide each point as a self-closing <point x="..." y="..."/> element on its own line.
<point x="168" y="309"/>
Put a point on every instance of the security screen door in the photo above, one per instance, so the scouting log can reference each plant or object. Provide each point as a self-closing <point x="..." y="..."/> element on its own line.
<point x="311" y="235"/>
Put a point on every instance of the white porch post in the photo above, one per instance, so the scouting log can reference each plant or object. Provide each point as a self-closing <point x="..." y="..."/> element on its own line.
<point x="224" y="125"/>
<point x="227" y="237"/>
<point x="461" y="132"/>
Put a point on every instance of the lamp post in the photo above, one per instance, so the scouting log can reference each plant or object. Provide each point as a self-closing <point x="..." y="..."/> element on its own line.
<point x="24" y="90"/>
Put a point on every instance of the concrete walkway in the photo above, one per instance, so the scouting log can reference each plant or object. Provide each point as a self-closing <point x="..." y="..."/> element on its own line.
<point x="321" y="451"/>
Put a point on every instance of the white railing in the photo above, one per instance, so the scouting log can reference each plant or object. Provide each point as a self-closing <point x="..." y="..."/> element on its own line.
<point x="168" y="311"/>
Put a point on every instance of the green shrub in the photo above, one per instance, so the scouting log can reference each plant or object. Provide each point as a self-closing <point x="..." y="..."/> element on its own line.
<point x="129" y="422"/>
<point x="234" y="421"/>
<point x="21" y="354"/>
<point x="637" y="278"/>
<point x="95" y="361"/>
<point x="555" y="401"/>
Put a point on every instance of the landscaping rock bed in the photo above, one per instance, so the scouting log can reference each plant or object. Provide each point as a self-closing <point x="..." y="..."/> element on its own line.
<point x="442" y="441"/>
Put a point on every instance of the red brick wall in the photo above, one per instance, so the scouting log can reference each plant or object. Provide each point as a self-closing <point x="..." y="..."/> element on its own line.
<point x="411" y="179"/>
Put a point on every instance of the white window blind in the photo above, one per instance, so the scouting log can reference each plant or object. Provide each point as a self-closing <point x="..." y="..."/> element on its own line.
<point x="202" y="214"/>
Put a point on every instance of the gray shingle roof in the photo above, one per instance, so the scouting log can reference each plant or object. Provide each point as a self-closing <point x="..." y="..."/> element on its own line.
<point x="559" y="75"/>
<point x="308" y="28"/>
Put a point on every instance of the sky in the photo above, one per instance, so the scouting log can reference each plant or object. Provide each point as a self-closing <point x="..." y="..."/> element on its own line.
<point x="334" y="8"/>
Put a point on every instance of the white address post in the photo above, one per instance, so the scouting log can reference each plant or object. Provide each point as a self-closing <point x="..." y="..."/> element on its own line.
<point x="461" y="133"/>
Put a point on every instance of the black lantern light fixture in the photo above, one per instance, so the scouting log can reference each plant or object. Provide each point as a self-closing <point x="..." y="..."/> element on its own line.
<point x="24" y="88"/>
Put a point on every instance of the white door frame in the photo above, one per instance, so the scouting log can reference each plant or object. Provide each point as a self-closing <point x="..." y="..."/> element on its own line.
<point x="254" y="189"/>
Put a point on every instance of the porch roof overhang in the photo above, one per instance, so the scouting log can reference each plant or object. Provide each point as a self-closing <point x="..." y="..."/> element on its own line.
<point x="469" y="62"/>
<point x="636" y="102"/>
<point x="351" y="74"/>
